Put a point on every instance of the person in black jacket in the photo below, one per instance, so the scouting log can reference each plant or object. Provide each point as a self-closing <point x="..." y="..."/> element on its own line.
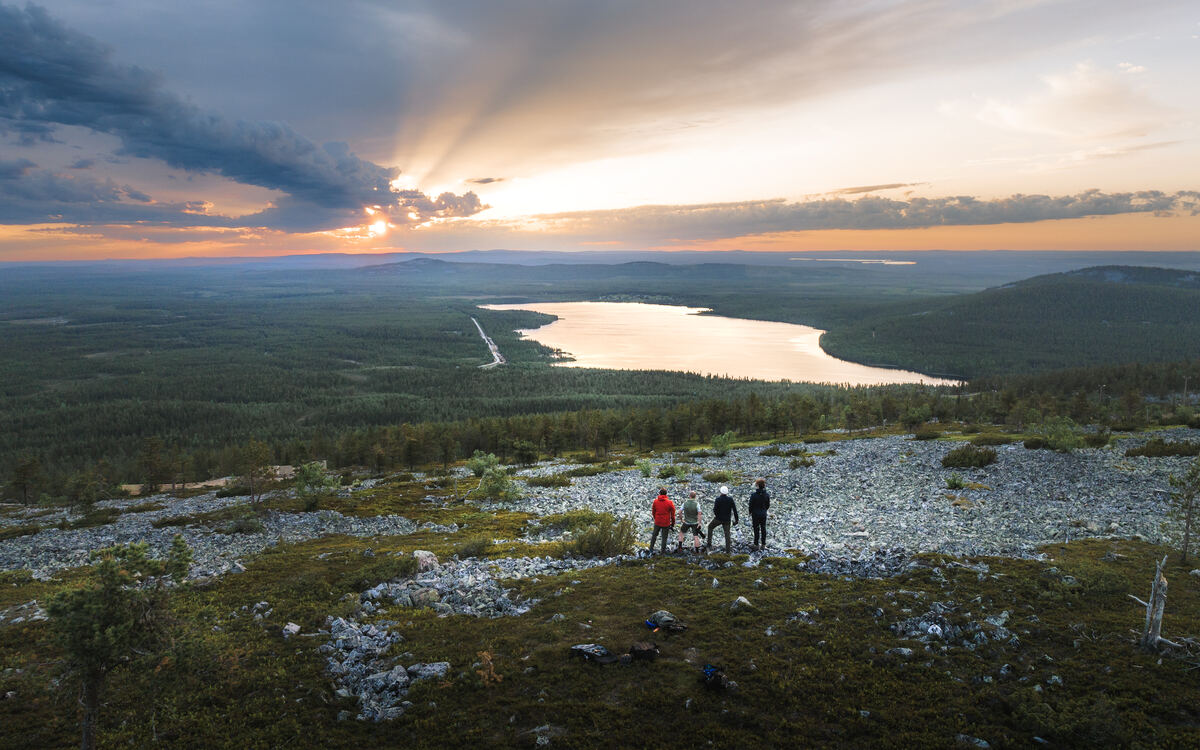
<point x="723" y="509"/>
<point x="760" y="502"/>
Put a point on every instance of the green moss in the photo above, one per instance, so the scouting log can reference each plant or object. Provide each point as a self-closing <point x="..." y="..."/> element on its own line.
<point x="243" y="685"/>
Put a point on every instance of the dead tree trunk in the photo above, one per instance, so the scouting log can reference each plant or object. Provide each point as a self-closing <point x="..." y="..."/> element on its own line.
<point x="1152" y="633"/>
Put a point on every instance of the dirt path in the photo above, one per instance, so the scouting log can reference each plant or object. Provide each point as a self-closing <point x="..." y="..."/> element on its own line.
<point x="497" y="358"/>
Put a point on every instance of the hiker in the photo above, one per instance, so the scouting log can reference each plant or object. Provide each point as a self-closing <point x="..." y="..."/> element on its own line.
<point x="760" y="502"/>
<point x="663" y="511"/>
<point x="691" y="522"/>
<point x="723" y="508"/>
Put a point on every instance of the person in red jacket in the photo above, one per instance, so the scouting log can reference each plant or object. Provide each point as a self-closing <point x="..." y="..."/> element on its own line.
<point x="664" y="518"/>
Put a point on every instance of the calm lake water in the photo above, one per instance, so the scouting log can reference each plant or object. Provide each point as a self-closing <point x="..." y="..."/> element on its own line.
<point x="637" y="336"/>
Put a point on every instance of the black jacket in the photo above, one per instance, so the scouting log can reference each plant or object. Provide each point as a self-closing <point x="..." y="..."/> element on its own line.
<point x="723" y="508"/>
<point x="760" y="501"/>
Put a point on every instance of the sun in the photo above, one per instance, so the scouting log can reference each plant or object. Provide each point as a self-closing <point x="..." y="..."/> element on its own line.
<point x="378" y="228"/>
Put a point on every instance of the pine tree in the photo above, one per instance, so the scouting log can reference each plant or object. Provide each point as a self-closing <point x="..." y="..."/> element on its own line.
<point x="118" y="615"/>
<point x="1183" y="501"/>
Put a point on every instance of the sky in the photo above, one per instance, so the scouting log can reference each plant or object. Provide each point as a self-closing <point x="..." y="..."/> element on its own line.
<point x="143" y="129"/>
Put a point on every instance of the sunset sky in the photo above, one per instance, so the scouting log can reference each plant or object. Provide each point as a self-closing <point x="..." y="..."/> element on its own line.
<point x="140" y="128"/>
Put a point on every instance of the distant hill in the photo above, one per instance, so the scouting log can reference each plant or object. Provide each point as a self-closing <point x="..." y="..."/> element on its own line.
<point x="1099" y="315"/>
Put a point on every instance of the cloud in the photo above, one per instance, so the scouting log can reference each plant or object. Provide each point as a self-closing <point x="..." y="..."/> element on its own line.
<point x="485" y="180"/>
<point x="525" y="83"/>
<point x="82" y="164"/>
<point x="10" y="169"/>
<point x="876" y="188"/>
<point x="38" y="196"/>
<point x="1084" y="103"/>
<point x="652" y="225"/>
<point x="52" y="76"/>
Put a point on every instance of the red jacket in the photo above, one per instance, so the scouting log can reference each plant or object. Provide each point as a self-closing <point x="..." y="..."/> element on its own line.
<point x="664" y="511"/>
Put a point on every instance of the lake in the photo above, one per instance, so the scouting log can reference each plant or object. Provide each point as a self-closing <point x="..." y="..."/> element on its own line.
<point x="639" y="336"/>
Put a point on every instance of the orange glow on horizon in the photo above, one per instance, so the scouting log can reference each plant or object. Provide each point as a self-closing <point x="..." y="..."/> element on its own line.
<point x="1099" y="233"/>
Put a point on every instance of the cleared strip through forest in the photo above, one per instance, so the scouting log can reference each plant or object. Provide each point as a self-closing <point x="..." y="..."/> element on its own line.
<point x="497" y="357"/>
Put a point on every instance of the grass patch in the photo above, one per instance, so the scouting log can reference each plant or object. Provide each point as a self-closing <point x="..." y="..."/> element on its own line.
<point x="719" y="477"/>
<point x="969" y="457"/>
<point x="927" y="432"/>
<point x="1157" y="448"/>
<point x="474" y="547"/>
<point x="571" y="520"/>
<point x="95" y="517"/>
<point x="607" y="537"/>
<point x="801" y="462"/>
<point x="992" y="438"/>
<point x="549" y="480"/>
<point x="12" y="532"/>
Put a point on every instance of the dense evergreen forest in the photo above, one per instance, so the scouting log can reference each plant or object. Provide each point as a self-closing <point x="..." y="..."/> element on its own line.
<point x="379" y="366"/>
<point x="1095" y="316"/>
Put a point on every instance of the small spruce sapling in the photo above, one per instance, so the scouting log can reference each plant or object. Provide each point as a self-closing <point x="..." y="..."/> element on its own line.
<point x="119" y="615"/>
<point x="312" y="483"/>
<point x="480" y="462"/>
<point x="1186" y="490"/>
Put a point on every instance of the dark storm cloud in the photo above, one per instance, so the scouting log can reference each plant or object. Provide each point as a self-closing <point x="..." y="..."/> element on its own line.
<point x="53" y="76"/>
<point x="38" y="196"/>
<point x="10" y="169"/>
<point x="724" y="220"/>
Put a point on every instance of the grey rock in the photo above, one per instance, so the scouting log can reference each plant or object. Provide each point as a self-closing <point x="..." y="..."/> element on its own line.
<point x="434" y="671"/>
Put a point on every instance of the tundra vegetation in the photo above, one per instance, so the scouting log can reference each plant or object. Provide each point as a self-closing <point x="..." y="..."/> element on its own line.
<point x="821" y="650"/>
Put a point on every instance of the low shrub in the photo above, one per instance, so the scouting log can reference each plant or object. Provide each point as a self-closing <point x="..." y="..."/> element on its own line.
<point x="927" y="432"/>
<point x="585" y="458"/>
<point x="97" y="517"/>
<point x="12" y="532"/>
<point x="645" y="467"/>
<point x="1097" y="439"/>
<point x="628" y="460"/>
<point x="389" y="568"/>
<point x="1035" y="443"/>
<point x="474" y="547"/>
<point x="1157" y="447"/>
<point x="674" y="471"/>
<point x="970" y="428"/>
<point x="955" y="482"/>
<point x="1060" y="433"/>
<point x="247" y="524"/>
<point x="549" y="480"/>
<point x="588" y="471"/>
<point x="497" y="485"/>
<point x="571" y="520"/>
<point x="718" y="477"/>
<point x="233" y="490"/>
<point x="775" y="450"/>
<point x="480" y="462"/>
<point x="801" y="462"/>
<point x="969" y="457"/>
<point x="992" y="438"/>
<point x="606" y="538"/>
<point x="721" y="443"/>
<point x="814" y="439"/>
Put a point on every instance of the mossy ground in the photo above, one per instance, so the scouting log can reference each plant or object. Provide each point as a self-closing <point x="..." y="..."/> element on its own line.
<point x="231" y="681"/>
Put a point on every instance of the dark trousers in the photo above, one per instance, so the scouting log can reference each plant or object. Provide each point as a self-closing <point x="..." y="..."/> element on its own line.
<point x="760" y="529"/>
<point x="714" y="524"/>
<point x="665" y="532"/>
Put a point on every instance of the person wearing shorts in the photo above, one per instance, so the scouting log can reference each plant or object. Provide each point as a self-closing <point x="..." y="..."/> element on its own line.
<point x="691" y="522"/>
